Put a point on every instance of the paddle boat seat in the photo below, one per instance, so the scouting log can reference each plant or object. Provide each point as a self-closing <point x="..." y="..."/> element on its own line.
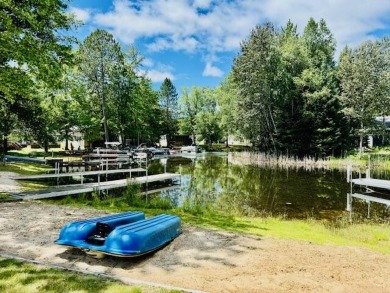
<point x="102" y="231"/>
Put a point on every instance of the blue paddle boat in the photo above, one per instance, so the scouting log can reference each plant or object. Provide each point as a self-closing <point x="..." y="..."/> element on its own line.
<point x="127" y="234"/>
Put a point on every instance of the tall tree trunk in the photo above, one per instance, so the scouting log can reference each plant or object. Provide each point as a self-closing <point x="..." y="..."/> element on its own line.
<point x="361" y="140"/>
<point x="46" y="146"/>
<point x="5" y="147"/>
<point x="105" y="120"/>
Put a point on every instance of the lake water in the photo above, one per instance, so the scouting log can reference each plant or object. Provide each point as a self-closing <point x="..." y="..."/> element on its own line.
<point x="211" y="181"/>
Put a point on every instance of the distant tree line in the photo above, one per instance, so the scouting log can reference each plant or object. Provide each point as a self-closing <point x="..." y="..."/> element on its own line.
<point x="285" y="93"/>
<point x="49" y="90"/>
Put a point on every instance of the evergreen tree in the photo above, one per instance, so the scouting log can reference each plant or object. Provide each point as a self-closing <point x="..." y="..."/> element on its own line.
<point x="99" y="58"/>
<point x="318" y="86"/>
<point x="365" y="84"/>
<point x="255" y="74"/>
<point x="169" y="106"/>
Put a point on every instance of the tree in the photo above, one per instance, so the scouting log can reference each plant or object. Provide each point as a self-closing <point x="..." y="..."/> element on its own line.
<point x="287" y="95"/>
<point x="364" y="82"/>
<point x="318" y="85"/>
<point x="199" y="115"/>
<point x="98" y="59"/>
<point x="254" y="73"/>
<point x="31" y="50"/>
<point x="191" y="104"/>
<point x="226" y="97"/>
<point x="169" y="104"/>
<point x="290" y="104"/>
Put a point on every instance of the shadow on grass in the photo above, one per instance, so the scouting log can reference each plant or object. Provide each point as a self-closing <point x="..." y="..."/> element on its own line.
<point x="15" y="274"/>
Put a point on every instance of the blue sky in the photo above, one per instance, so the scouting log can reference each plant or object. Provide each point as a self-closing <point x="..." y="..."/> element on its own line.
<point x="193" y="42"/>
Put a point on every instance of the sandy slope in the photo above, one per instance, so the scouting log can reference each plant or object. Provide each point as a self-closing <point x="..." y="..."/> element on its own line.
<point x="201" y="259"/>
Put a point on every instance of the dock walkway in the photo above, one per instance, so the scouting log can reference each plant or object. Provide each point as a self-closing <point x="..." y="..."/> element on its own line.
<point x="91" y="187"/>
<point x="72" y="174"/>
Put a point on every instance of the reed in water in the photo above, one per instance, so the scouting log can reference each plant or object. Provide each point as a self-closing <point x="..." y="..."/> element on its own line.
<point x="307" y="162"/>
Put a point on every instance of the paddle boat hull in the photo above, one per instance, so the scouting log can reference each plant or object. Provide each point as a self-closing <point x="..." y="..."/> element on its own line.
<point x="138" y="237"/>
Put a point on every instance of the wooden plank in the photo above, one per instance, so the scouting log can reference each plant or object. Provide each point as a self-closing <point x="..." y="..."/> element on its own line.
<point x="90" y="187"/>
<point x="371" y="198"/>
<point x="152" y="191"/>
<point x="379" y="183"/>
<point x="71" y="174"/>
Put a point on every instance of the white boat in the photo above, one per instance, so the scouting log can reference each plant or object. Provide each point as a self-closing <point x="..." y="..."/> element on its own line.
<point x="190" y="149"/>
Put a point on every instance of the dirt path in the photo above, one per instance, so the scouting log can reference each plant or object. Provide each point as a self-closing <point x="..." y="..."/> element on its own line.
<point x="7" y="184"/>
<point x="201" y="259"/>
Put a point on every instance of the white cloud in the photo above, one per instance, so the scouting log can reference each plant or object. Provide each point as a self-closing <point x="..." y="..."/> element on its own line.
<point x="81" y="14"/>
<point x="212" y="71"/>
<point x="157" y="72"/>
<point x="213" y="27"/>
<point x="220" y="27"/>
<point x="175" y="43"/>
<point x="147" y="62"/>
<point x="159" y="76"/>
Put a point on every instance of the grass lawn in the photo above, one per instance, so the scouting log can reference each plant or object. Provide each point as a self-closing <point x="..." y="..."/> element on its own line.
<point x="19" y="277"/>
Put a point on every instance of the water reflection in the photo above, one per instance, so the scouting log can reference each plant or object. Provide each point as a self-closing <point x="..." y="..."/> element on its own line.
<point x="212" y="182"/>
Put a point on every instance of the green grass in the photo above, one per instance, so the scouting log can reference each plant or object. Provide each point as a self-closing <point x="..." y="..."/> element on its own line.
<point x="375" y="237"/>
<point x="39" y="152"/>
<point x="19" y="277"/>
<point x="24" y="168"/>
<point x="4" y="196"/>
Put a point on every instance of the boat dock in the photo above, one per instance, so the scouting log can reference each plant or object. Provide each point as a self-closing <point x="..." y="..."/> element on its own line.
<point x="81" y="174"/>
<point x="367" y="183"/>
<point x="92" y="187"/>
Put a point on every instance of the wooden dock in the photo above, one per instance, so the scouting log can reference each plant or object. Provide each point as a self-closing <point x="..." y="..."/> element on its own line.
<point x="73" y="174"/>
<point x="370" y="198"/>
<point x="92" y="187"/>
<point x="379" y="183"/>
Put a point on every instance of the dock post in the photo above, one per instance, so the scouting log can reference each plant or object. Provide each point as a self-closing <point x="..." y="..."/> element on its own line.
<point x="349" y="206"/>
<point x="58" y="172"/>
<point x="147" y="172"/>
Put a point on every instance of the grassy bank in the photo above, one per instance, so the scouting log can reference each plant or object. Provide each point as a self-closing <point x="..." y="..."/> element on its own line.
<point x="374" y="236"/>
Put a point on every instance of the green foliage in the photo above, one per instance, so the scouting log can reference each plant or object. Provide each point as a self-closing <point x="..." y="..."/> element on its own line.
<point x="199" y="115"/>
<point x="365" y="84"/>
<point x="169" y="107"/>
<point x="98" y="58"/>
<point x="135" y="198"/>
<point x="286" y="90"/>
<point x="32" y="51"/>
<point x="226" y="98"/>
<point x="254" y="73"/>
